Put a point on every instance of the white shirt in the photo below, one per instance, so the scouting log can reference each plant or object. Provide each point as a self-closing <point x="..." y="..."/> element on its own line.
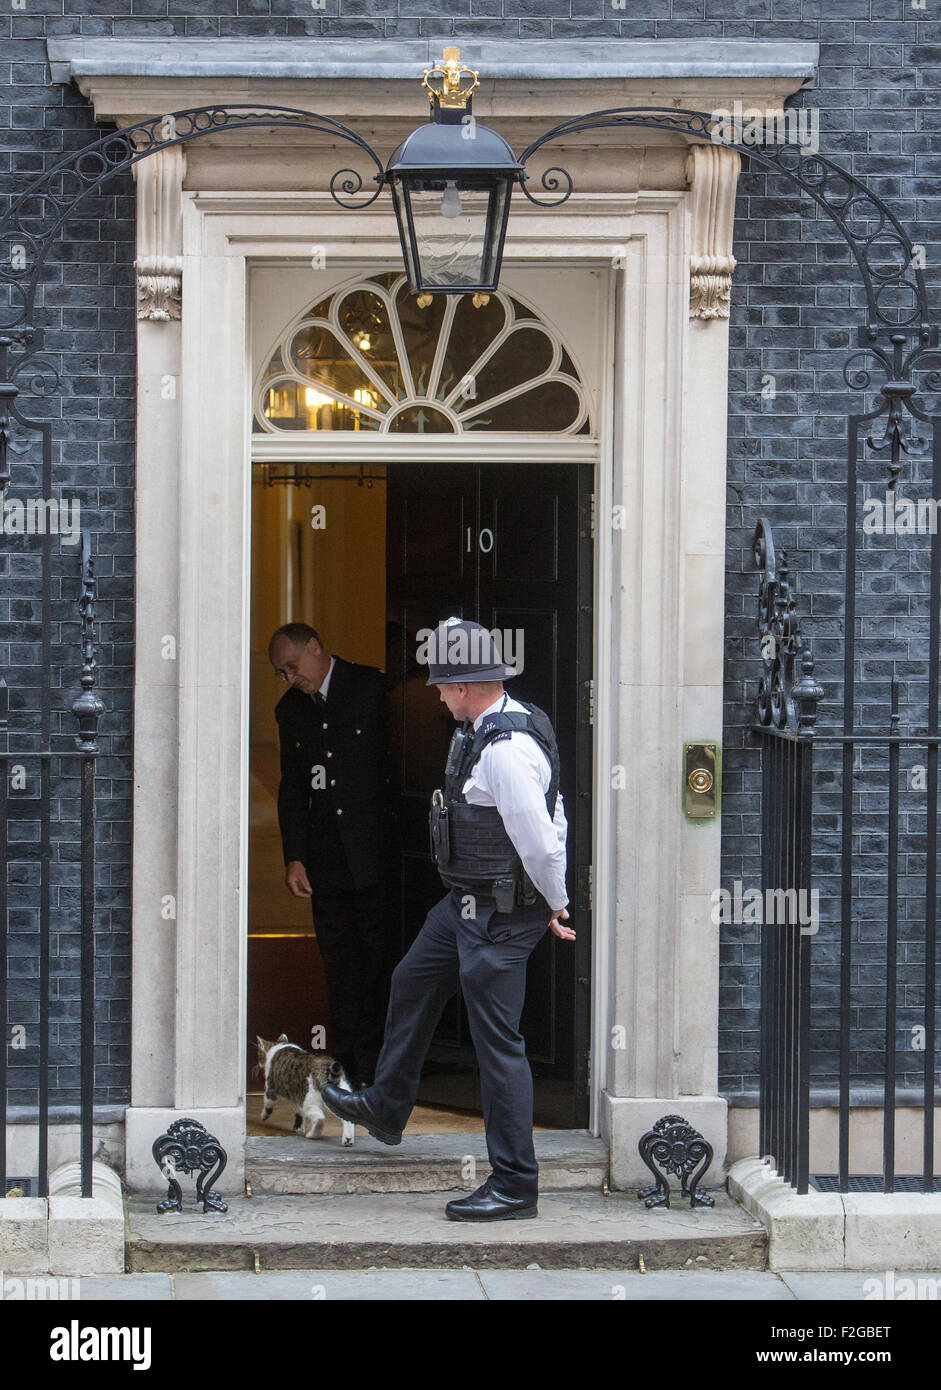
<point x="513" y="774"/>
<point x="326" y="680"/>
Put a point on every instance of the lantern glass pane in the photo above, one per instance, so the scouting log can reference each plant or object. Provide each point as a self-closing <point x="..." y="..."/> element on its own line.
<point x="400" y="203"/>
<point x="450" y="234"/>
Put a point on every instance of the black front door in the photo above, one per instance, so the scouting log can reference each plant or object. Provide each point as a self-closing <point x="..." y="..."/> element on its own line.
<point x="508" y="545"/>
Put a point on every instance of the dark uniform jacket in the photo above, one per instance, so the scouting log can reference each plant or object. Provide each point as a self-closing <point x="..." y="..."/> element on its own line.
<point x="347" y="738"/>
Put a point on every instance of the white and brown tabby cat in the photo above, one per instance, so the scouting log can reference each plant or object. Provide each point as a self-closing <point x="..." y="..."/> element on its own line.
<point x="298" y="1077"/>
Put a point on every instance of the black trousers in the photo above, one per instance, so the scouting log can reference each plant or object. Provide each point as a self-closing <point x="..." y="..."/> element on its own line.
<point x="485" y="956"/>
<point x="351" y="934"/>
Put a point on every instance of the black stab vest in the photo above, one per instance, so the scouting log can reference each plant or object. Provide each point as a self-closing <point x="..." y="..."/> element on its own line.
<point x="469" y="844"/>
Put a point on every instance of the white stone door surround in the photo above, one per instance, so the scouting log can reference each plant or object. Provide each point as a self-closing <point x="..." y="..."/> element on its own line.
<point x="658" y="643"/>
<point x="656" y="216"/>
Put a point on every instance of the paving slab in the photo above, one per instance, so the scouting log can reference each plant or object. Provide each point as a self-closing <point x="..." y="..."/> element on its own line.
<point x="332" y="1285"/>
<point x="143" y="1288"/>
<point x="496" y="1285"/>
<point x="568" y="1160"/>
<point x="613" y="1286"/>
<point x="579" y="1230"/>
<point x="868" y="1285"/>
<point x="470" y="1285"/>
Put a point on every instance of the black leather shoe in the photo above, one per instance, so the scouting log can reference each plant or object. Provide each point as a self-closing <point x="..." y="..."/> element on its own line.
<point x="352" y="1106"/>
<point x="486" y="1204"/>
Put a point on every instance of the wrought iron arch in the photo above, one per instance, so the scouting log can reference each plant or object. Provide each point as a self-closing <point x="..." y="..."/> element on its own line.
<point x="844" y="198"/>
<point x="815" y="175"/>
<point x="115" y="153"/>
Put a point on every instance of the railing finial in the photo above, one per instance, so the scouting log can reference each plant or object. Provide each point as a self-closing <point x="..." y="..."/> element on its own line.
<point x="88" y="708"/>
<point x="785" y="700"/>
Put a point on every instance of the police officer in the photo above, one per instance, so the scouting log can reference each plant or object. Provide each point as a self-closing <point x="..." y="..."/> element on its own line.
<point x="333" y="801"/>
<point x="498" y="833"/>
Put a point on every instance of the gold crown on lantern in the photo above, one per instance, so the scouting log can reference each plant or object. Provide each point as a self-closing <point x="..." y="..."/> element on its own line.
<point x="451" y="81"/>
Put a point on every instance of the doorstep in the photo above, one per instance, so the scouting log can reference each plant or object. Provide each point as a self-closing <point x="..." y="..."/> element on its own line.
<point x="569" y="1160"/>
<point x="574" y="1230"/>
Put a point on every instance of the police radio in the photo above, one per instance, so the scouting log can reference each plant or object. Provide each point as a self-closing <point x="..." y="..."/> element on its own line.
<point x="460" y="741"/>
<point x="438" y="830"/>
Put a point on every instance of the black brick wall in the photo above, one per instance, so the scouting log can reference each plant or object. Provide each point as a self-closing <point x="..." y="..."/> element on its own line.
<point x="795" y="305"/>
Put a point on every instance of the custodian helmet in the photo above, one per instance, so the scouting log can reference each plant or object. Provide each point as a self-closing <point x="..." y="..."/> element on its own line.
<point x="461" y="650"/>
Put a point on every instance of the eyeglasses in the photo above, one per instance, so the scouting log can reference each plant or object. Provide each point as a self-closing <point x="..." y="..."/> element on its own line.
<point x="289" y="669"/>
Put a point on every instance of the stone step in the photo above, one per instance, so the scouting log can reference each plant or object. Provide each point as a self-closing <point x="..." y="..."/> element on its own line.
<point x="569" y="1160"/>
<point x="574" y="1230"/>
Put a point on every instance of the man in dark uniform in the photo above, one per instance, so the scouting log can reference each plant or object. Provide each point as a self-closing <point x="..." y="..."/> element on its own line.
<point x="332" y="803"/>
<point x="498" y="838"/>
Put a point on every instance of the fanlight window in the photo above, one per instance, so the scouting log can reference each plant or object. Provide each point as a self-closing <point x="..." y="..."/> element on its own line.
<point x="374" y="356"/>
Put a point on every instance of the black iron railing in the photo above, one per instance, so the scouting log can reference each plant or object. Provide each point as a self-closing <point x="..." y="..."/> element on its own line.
<point x="787" y="711"/>
<point x="858" y="890"/>
<point x="54" y="766"/>
<point x="787" y="773"/>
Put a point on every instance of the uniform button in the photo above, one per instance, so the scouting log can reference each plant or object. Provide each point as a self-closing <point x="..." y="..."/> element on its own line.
<point x="297" y="744"/>
<point x="357" y="730"/>
<point x="323" y="726"/>
<point x="339" y="810"/>
<point x="333" y="781"/>
<point x="329" y="754"/>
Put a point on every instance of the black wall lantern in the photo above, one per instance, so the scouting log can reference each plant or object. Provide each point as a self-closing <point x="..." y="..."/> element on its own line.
<point x="451" y="182"/>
